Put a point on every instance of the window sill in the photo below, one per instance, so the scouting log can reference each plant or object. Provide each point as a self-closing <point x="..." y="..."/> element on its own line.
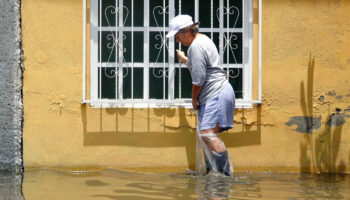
<point x="186" y="103"/>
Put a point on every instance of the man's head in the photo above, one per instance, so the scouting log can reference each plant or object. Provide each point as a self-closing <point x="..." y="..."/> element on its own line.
<point x="179" y="22"/>
<point x="183" y="28"/>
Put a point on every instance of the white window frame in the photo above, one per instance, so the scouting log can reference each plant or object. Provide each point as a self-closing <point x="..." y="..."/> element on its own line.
<point x="247" y="33"/>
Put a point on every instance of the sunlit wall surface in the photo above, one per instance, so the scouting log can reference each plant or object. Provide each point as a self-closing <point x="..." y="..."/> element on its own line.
<point x="302" y="124"/>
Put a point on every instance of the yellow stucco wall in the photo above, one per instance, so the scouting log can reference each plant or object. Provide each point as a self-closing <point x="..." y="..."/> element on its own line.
<point x="306" y="70"/>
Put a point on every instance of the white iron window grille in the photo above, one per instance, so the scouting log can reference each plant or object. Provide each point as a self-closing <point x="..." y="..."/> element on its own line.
<point x="133" y="64"/>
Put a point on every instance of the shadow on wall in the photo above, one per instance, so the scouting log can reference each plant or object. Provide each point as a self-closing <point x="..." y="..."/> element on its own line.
<point x="318" y="152"/>
<point x="154" y="130"/>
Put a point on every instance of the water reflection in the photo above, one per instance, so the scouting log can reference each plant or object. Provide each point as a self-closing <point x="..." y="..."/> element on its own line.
<point x="119" y="185"/>
<point x="213" y="187"/>
<point x="180" y="187"/>
<point x="217" y="187"/>
<point x="325" y="186"/>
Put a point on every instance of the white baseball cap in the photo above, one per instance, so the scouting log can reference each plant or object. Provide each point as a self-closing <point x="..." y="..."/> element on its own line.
<point x="179" y="22"/>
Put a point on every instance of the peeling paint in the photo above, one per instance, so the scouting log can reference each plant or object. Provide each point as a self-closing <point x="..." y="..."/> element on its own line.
<point x="331" y="93"/>
<point x="339" y="97"/>
<point x="337" y="119"/>
<point x="321" y="99"/>
<point x="305" y="124"/>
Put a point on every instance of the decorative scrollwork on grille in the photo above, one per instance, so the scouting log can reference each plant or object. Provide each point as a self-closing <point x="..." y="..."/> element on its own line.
<point x="232" y="73"/>
<point x="160" y="73"/>
<point x="160" y="11"/>
<point x="228" y="41"/>
<point x="160" y="37"/>
<point x="230" y="38"/>
<point x="232" y="10"/>
<point x="112" y="72"/>
<point x="112" y="39"/>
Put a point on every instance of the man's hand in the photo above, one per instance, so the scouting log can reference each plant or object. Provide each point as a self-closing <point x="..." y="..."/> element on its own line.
<point x="181" y="56"/>
<point x="195" y="93"/>
<point x="195" y="104"/>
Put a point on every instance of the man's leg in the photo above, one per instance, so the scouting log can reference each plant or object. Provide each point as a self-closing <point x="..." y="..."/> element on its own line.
<point x="216" y="156"/>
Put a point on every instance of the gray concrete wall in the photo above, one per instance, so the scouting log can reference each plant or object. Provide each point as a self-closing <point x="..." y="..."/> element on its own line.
<point x="11" y="185"/>
<point x="11" y="109"/>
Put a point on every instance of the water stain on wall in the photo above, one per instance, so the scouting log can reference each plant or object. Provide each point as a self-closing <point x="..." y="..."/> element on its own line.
<point x="337" y="119"/>
<point x="332" y="93"/>
<point x="321" y="99"/>
<point x="305" y="124"/>
<point x="339" y="97"/>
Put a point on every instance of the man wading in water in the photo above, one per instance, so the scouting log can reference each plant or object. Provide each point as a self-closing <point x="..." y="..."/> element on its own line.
<point x="212" y="95"/>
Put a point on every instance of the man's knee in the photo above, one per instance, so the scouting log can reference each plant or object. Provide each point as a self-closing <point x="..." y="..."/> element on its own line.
<point x="212" y="141"/>
<point x="211" y="130"/>
<point x="208" y="137"/>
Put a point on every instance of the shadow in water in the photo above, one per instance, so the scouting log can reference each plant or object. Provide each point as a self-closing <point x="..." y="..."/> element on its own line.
<point x="156" y="128"/>
<point x="318" y="152"/>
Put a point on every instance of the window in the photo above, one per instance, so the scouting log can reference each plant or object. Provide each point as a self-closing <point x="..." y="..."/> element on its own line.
<point x="133" y="64"/>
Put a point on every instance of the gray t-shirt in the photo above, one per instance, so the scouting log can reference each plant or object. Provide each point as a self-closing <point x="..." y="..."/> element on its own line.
<point x="205" y="68"/>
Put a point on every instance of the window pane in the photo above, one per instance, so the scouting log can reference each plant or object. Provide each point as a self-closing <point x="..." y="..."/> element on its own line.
<point x="127" y="12"/>
<point x="186" y="83"/>
<point x="156" y="47"/>
<point x="108" y="77"/>
<point x="127" y="47"/>
<point x="138" y="47"/>
<point x="138" y="83"/>
<point x="205" y="13"/>
<point x="235" y="13"/>
<point x="187" y="7"/>
<point x="156" y="83"/>
<point x="137" y="12"/>
<point x="156" y="13"/>
<point x="236" y="80"/>
<point x="235" y="48"/>
<point x="108" y="13"/>
<point x="108" y="46"/>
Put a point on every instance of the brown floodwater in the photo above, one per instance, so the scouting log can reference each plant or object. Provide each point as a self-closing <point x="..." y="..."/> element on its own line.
<point x="121" y="185"/>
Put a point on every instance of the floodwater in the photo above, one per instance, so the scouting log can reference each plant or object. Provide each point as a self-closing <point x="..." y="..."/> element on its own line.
<point x="121" y="185"/>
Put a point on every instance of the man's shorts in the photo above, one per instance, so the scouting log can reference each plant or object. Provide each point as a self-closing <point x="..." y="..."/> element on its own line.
<point x="218" y="109"/>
